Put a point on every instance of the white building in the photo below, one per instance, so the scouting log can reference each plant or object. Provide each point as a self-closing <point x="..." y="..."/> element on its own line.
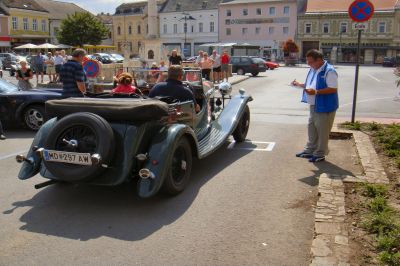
<point x="187" y="24"/>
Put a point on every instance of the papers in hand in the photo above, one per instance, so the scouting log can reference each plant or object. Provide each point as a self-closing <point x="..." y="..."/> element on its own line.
<point x="296" y="87"/>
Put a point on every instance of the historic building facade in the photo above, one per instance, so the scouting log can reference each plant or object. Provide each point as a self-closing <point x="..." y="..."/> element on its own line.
<point x="326" y="26"/>
<point x="28" y="22"/>
<point x="264" y="23"/>
<point x="187" y="24"/>
<point x="5" y="39"/>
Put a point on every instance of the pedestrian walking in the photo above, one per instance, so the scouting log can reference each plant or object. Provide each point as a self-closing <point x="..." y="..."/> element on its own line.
<point x="24" y="75"/>
<point x="38" y="66"/>
<point x="50" y="67"/>
<point x="175" y="59"/>
<point x="2" y="136"/>
<point x="321" y="93"/>
<point x="206" y="64"/>
<point x="225" y="65"/>
<point x="73" y="76"/>
<point x="216" y="66"/>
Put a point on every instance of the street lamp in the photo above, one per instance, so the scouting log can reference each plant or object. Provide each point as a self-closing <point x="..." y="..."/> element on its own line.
<point x="186" y="17"/>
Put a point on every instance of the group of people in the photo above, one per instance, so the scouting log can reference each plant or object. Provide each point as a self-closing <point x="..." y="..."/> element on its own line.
<point x="50" y="65"/>
<point x="218" y="64"/>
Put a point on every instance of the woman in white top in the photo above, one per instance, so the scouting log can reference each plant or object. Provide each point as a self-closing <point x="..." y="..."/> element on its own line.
<point x="51" y="69"/>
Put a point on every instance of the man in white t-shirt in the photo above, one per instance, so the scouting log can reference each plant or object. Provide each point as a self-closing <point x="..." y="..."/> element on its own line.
<point x="320" y="92"/>
<point x="216" y="66"/>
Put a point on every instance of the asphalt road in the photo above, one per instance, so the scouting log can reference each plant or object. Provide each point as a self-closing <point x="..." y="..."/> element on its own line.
<point x="250" y="204"/>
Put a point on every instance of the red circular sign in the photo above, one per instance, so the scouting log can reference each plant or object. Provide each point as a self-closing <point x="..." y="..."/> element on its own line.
<point x="91" y="68"/>
<point x="361" y="10"/>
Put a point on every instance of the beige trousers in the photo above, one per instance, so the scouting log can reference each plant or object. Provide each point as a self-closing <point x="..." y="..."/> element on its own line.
<point x="319" y="127"/>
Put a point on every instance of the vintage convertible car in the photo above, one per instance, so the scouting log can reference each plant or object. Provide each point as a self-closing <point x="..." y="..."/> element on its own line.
<point x="108" y="140"/>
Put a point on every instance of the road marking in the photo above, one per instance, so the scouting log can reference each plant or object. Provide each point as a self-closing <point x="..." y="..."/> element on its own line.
<point x="369" y="100"/>
<point x="3" y="157"/>
<point x="269" y="146"/>
<point x="369" y="75"/>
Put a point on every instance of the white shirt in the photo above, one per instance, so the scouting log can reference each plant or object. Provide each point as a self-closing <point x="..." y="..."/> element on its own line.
<point x="58" y="60"/>
<point x="163" y="68"/>
<point x="311" y="83"/>
<point x="217" y="60"/>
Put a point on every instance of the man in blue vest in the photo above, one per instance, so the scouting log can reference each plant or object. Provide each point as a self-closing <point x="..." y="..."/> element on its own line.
<point x="321" y="93"/>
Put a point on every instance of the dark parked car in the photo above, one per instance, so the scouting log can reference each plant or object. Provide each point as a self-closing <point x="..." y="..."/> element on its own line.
<point x="24" y="107"/>
<point x="7" y="59"/>
<point x="106" y="140"/>
<point x="391" y="61"/>
<point x="246" y="64"/>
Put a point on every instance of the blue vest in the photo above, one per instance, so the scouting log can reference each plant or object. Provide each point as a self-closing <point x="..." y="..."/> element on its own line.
<point x="324" y="103"/>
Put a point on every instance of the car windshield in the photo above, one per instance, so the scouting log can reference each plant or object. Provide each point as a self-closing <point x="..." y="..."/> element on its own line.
<point x="151" y="77"/>
<point x="117" y="56"/>
<point x="7" y="87"/>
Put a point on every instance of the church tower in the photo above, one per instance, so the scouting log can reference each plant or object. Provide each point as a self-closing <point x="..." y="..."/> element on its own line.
<point x="151" y="52"/>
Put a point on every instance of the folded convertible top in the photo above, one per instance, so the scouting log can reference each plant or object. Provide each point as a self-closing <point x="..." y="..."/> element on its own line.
<point x="110" y="109"/>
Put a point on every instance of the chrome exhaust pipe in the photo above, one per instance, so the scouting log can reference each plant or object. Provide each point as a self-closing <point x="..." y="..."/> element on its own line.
<point x="146" y="174"/>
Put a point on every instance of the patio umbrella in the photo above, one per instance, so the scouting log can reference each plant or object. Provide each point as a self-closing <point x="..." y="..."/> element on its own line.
<point x="47" y="46"/>
<point x="26" y="46"/>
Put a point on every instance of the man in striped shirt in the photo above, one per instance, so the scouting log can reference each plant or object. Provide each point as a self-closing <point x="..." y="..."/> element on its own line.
<point x="73" y="76"/>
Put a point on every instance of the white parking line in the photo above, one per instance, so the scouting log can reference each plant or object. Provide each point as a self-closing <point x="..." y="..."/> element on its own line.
<point x="6" y="156"/>
<point x="269" y="146"/>
<point x="369" y="75"/>
<point x="368" y="100"/>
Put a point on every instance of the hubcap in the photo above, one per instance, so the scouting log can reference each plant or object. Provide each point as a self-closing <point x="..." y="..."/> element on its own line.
<point x="69" y="139"/>
<point x="34" y="119"/>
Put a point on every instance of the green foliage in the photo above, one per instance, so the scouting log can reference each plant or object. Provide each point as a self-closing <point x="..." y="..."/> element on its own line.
<point x="378" y="204"/>
<point x="81" y="28"/>
<point x="352" y="126"/>
<point x="380" y="223"/>
<point x="391" y="259"/>
<point x="374" y="190"/>
<point x="374" y="126"/>
<point x="391" y="241"/>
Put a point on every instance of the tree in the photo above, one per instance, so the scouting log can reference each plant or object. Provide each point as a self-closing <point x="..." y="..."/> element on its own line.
<point x="81" y="28"/>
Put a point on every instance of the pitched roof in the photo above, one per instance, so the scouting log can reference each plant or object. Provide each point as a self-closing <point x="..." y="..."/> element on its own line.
<point x="105" y="18"/>
<point x="137" y="7"/>
<point x="60" y="10"/>
<point x="318" y="6"/>
<point x="24" y="4"/>
<point x="190" y="5"/>
<point x="3" y="12"/>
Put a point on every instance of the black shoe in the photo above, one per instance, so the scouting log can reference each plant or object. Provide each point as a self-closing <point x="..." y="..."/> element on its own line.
<point x="304" y="155"/>
<point x="315" y="159"/>
<point x="2" y="137"/>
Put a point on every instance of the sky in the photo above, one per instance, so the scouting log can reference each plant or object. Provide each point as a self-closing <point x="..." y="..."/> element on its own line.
<point x="98" y="6"/>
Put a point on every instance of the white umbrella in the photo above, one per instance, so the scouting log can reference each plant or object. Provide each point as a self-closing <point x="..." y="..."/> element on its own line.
<point x="26" y="46"/>
<point x="47" y="46"/>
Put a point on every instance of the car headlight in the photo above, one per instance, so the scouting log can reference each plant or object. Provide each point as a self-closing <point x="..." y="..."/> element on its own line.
<point x="225" y="88"/>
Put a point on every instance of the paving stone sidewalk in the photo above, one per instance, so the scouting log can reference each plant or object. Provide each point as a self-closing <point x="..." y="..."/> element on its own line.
<point x="331" y="243"/>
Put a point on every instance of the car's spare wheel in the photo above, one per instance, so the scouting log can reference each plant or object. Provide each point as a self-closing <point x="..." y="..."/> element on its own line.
<point x="84" y="133"/>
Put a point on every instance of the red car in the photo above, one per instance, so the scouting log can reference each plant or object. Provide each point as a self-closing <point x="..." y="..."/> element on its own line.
<point x="271" y="65"/>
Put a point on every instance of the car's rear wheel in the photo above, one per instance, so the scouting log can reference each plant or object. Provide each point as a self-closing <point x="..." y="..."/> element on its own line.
<point x="255" y="74"/>
<point x="242" y="128"/>
<point x="34" y="117"/>
<point x="91" y="134"/>
<point x="179" y="169"/>
<point x="240" y="71"/>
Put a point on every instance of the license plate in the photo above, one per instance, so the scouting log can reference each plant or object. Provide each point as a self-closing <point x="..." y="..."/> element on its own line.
<point x="67" y="157"/>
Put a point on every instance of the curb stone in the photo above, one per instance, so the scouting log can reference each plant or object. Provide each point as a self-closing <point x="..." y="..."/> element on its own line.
<point x="331" y="243"/>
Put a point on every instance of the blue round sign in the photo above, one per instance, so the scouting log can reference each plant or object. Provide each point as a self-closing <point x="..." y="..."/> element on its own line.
<point x="91" y="68"/>
<point x="361" y="10"/>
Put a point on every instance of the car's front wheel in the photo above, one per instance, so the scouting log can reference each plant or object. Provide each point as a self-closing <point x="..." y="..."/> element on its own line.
<point x="242" y="128"/>
<point x="179" y="168"/>
<point x="34" y="117"/>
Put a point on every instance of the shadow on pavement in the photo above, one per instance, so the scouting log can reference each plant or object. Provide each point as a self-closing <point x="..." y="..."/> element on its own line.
<point x="19" y="134"/>
<point x="87" y="212"/>
<point x="324" y="167"/>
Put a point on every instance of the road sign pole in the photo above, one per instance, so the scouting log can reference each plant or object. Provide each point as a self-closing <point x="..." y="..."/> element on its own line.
<point x="353" y="114"/>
